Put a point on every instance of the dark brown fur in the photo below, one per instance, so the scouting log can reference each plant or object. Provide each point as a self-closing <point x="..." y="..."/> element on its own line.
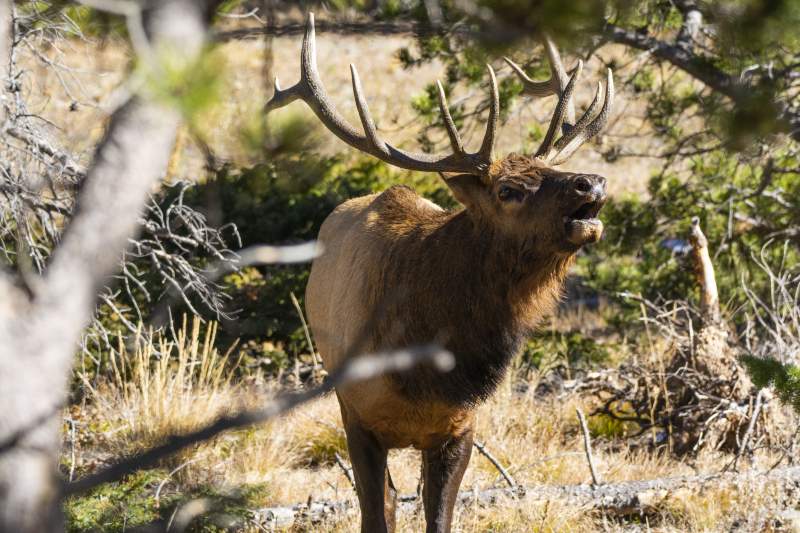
<point x="480" y="298"/>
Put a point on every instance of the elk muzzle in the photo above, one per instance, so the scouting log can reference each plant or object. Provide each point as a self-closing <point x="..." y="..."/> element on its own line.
<point x="581" y="224"/>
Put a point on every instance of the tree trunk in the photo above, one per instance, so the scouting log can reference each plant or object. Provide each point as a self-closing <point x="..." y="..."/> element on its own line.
<point x="41" y="319"/>
<point x="5" y="38"/>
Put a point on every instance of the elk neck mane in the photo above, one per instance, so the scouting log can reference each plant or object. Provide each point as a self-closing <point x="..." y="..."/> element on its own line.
<point x="450" y="278"/>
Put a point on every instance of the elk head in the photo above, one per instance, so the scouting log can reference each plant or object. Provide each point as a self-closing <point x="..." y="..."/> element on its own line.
<point x="520" y="197"/>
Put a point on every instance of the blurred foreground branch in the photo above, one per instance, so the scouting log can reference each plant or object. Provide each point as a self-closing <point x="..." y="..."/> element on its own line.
<point x="354" y="370"/>
<point x="366" y="27"/>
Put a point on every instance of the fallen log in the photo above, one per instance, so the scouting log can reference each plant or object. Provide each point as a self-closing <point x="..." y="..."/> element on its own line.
<point x="623" y="498"/>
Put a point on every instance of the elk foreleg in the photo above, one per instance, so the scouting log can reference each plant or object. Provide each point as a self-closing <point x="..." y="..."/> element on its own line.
<point x="376" y="493"/>
<point x="443" y="469"/>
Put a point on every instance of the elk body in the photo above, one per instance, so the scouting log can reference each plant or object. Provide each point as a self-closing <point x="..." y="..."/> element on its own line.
<point x="399" y="271"/>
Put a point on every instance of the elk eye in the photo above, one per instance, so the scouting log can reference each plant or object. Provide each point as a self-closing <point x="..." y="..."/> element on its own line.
<point x="507" y="193"/>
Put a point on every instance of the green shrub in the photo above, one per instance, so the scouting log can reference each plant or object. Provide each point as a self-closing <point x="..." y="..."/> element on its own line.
<point x="784" y="377"/>
<point x="548" y="350"/>
<point x="608" y="427"/>
<point x="636" y="254"/>
<point x="116" y="506"/>
<point x="131" y="503"/>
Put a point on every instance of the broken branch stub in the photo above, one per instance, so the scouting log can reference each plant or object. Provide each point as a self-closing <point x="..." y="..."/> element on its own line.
<point x="704" y="269"/>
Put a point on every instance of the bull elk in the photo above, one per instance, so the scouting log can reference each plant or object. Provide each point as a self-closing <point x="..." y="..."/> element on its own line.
<point x="476" y="279"/>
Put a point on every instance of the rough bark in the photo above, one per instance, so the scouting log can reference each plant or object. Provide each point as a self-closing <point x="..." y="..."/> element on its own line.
<point x="41" y="321"/>
<point x="5" y="51"/>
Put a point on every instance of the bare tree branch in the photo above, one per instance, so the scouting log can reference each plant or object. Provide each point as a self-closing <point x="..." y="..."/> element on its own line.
<point x="68" y="164"/>
<point x="698" y="67"/>
<point x="692" y="64"/>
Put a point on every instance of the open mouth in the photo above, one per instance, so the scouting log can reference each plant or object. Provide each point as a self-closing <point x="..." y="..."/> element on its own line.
<point x="582" y="226"/>
<point x="587" y="211"/>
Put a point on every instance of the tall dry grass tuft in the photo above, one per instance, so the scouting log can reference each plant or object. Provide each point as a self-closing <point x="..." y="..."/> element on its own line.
<point x="166" y="386"/>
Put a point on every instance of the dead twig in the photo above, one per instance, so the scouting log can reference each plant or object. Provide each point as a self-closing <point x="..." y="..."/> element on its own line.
<point x="587" y="445"/>
<point x="72" y="454"/>
<point x="314" y="358"/>
<point x="167" y="478"/>
<point x="750" y="426"/>
<point x="492" y="459"/>
<point x="348" y="470"/>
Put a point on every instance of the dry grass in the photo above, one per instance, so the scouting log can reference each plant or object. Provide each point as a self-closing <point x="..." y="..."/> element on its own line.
<point x="166" y="386"/>
<point x="174" y="385"/>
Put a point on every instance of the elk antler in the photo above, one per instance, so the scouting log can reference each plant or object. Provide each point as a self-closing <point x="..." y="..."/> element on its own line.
<point x="555" y="85"/>
<point x="312" y="92"/>
<point x="552" y="151"/>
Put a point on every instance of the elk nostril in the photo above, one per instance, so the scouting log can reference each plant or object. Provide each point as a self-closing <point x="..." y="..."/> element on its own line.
<point x="583" y="185"/>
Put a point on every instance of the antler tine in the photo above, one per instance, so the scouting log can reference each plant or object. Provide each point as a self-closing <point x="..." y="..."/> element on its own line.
<point x="311" y="90"/>
<point x="585" y="130"/>
<point x="487" y="146"/>
<point x="281" y="97"/>
<point x="582" y="122"/>
<point x="555" y="85"/>
<point x="363" y="112"/>
<point x="452" y="131"/>
<point x="558" y="115"/>
<point x="558" y="73"/>
<point x="586" y="127"/>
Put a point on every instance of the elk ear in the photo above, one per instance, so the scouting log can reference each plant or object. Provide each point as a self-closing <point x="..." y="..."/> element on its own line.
<point x="467" y="188"/>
